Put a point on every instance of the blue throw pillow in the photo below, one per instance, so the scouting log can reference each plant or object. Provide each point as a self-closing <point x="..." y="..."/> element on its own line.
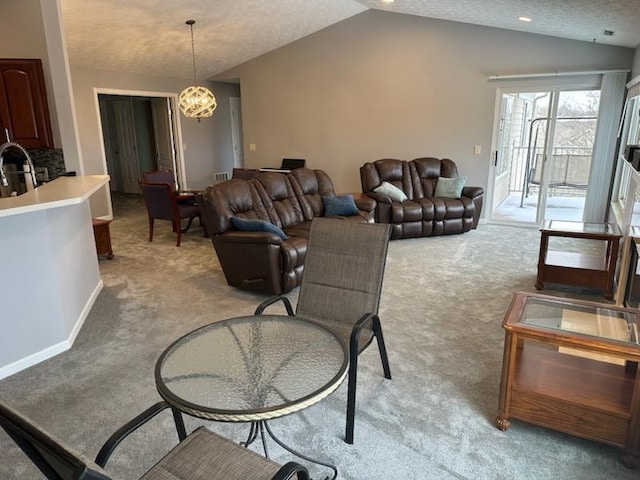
<point x="255" y="225"/>
<point x="343" y="205"/>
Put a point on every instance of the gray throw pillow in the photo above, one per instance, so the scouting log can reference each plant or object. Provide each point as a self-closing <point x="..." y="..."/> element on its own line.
<point x="391" y="191"/>
<point x="450" y="187"/>
<point x="343" y="205"/>
<point x="255" y="225"/>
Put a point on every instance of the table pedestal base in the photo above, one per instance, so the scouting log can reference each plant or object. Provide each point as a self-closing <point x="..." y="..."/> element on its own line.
<point x="261" y="427"/>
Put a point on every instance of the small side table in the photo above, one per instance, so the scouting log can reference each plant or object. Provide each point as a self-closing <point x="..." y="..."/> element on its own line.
<point x="102" y="236"/>
<point x="572" y="366"/>
<point x="580" y="269"/>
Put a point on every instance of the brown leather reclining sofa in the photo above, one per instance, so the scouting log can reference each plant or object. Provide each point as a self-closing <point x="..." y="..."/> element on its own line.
<point x="262" y="261"/>
<point x="422" y="214"/>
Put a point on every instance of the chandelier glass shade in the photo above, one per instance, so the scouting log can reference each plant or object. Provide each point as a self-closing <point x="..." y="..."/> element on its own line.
<point x="196" y="101"/>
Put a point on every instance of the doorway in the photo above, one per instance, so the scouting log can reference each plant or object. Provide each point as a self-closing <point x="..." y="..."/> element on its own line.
<point x="139" y="136"/>
<point x="236" y="131"/>
<point x="542" y="160"/>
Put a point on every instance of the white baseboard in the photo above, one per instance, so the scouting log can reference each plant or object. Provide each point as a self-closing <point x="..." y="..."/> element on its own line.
<point x="57" y="348"/>
<point x="84" y="313"/>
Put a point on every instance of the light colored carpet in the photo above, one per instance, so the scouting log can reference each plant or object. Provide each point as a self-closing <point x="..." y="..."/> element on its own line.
<point x="443" y="302"/>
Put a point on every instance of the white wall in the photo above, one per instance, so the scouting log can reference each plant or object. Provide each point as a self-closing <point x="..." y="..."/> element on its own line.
<point x="388" y="85"/>
<point x="22" y="36"/>
<point x="636" y="63"/>
<point x="202" y="163"/>
<point x="50" y="282"/>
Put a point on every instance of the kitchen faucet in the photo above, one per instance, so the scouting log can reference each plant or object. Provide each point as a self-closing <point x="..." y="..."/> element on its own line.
<point x="27" y="169"/>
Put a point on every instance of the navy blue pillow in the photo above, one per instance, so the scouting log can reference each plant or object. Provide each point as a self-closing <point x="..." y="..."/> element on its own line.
<point x="251" y="225"/>
<point x="344" y="205"/>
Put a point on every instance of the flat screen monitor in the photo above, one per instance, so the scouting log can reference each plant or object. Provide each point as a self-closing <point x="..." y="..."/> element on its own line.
<point x="292" y="163"/>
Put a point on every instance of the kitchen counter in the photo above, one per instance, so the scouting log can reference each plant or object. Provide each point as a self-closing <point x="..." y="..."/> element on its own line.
<point x="50" y="276"/>
<point x="58" y="193"/>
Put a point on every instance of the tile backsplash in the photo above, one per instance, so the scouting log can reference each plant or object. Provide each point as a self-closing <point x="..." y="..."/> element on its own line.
<point x="49" y="158"/>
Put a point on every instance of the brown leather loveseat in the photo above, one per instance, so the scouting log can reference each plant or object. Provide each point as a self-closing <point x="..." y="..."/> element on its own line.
<point x="262" y="261"/>
<point x="420" y="212"/>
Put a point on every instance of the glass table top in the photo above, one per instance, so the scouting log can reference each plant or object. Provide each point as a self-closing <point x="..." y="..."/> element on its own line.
<point x="582" y="227"/>
<point x="251" y="368"/>
<point x="567" y="316"/>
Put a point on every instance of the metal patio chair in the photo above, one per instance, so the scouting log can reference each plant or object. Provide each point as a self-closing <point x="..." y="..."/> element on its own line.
<point x="202" y="455"/>
<point x="340" y="289"/>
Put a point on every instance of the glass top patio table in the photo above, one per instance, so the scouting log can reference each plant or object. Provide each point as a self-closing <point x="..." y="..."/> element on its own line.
<point x="251" y="368"/>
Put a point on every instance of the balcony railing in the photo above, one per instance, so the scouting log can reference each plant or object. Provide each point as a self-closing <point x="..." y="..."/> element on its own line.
<point x="569" y="170"/>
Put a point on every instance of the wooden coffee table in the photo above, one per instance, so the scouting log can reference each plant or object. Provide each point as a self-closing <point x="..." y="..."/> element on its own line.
<point x="571" y="366"/>
<point x="580" y="269"/>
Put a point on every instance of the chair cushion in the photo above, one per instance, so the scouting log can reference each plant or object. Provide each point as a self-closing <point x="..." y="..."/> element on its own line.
<point x="188" y="211"/>
<point x="254" y="225"/>
<point x="343" y="205"/>
<point x="391" y="191"/>
<point x="450" y="187"/>
<point x="205" y="455"/>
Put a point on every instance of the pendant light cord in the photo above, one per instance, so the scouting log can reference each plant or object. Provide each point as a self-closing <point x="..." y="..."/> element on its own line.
<point x="193" y="51"/>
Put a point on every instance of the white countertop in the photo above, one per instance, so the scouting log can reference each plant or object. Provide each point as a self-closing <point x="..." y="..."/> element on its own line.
<point x="58" y="193"/>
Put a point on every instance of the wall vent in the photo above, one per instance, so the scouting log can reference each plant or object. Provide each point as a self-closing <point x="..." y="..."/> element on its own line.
<point x="220" y="176"/>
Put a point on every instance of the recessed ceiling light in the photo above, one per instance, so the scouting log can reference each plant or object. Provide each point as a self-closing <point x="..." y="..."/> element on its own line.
<point x="387" y="1"/>
<point x="524" y="19"/>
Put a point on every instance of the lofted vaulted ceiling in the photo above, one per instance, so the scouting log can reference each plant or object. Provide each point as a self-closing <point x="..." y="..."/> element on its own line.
<point x="150" y="36"/>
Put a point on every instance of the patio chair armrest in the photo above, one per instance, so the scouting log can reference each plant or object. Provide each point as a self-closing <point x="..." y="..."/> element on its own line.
<point x="357" y="328"/>
<point x="290" y="471"/>
<point x="270" y="301"/>
<point x="129" y="427"/>
<point x="364" y="319"/>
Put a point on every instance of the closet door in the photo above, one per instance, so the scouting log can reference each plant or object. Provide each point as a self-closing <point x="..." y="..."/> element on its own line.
<point x="125" y="137"/>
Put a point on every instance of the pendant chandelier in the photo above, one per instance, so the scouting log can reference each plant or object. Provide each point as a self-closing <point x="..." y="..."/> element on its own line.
<point x="196" y="101"/>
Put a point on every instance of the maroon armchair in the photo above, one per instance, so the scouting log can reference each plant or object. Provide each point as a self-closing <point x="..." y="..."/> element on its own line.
<point x="162" y="204"/>
<point x="160" y="176"/>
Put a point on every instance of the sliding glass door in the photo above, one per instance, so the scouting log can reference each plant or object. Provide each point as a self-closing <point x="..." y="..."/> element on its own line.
<point x="542" y="160"/>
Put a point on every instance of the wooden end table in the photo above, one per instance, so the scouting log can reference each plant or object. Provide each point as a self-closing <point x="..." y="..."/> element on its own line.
<point x="571" y="366"/>
<point x="580" y="269"/>
<point x="102" y="237"/>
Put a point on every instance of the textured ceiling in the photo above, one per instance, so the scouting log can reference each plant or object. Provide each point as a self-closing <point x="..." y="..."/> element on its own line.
<point x="575" y="19"/>
<point x="150" y="36"/>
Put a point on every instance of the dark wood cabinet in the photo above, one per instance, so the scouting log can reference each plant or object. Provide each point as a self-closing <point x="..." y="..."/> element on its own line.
<point x="24" y="111"/>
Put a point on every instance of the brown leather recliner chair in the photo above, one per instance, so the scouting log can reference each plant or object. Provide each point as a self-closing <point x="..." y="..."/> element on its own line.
<point x="423" y="213"/>
<point x="263" y="261"/>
